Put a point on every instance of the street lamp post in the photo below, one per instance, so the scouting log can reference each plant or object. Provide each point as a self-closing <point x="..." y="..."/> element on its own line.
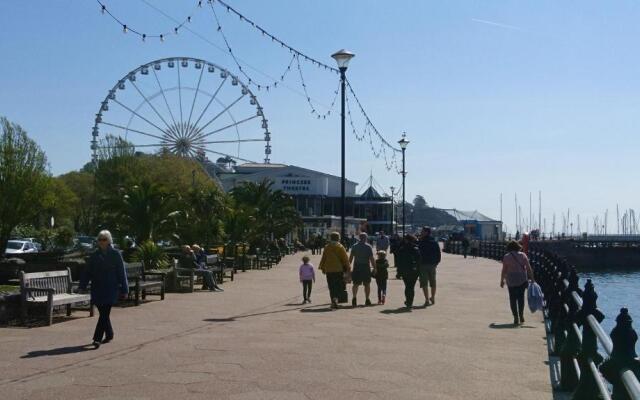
<point x="403" y="145"/>
<point x="342" y="58"/>
<point x="392" y="211"/>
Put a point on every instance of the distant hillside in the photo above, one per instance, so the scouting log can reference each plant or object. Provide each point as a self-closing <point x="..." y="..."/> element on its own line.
<point x="430" y="216"/>
<point x="420" y="214"/>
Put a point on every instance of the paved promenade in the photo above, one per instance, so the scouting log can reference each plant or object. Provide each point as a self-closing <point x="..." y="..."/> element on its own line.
<point x="255" y="341"/>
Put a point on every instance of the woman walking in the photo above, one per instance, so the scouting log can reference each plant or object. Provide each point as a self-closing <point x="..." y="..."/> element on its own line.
<point x="516" y="273"/>
<point x="105" y="270"/>
<point x="334" y="264"/>
<point x="407" y="261"/>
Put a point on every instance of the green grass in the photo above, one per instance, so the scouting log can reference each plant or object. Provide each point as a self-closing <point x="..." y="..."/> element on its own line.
<point x="9" y="288"/>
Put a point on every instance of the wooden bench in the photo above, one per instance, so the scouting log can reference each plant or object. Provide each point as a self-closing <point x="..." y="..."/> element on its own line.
<point x="220" y="268"/>
<point x="52" y="288"/>
<point x="183" y="276"/>
<point x="141" y="285"/>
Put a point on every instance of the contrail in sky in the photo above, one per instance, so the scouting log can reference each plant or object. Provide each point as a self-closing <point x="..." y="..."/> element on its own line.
<point x="497" y="24"/>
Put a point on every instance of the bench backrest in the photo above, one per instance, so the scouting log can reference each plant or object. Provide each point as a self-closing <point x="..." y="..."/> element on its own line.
<point x="212" y="259"/>
<point x="60" y="281"/>
<point x="134" y="270"/>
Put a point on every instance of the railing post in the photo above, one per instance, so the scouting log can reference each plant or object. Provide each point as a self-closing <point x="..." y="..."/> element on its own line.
<point x="587" y="387"/>
<point x="623" y="355"/>
<point x="569" y="349"/>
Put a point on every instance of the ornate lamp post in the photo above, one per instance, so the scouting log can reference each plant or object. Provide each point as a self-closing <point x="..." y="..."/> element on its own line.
<point x="403" y="145"/>
<point x="392" y="210"/>
<point x="342" y="58"/>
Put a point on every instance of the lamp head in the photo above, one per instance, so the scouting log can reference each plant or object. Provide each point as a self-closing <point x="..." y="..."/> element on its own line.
<point x="403" y="142"/>
<point x="342" y="58"/>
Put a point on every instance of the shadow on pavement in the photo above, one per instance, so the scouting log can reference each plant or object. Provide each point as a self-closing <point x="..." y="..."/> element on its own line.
<point x="59" y="351"/>
<point x="493" y="325"/>
<point x="220" y="319"/>
<point x="325" y="308"/>
<point x="400" y="310"/>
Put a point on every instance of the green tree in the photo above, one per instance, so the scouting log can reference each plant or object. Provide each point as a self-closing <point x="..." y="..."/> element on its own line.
<point x="263" y="211"/>
<point x="23" y="178"/>
<point x="419" y="203"/>
<point x="141" y="211"/>
<point x="83" y="214"/>
<point x="203" y="212"/>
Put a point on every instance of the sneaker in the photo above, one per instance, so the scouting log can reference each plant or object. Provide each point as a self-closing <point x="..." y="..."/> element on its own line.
<point x="383" y="299"/>
<point x="354" y="302"/>
<point x="96" y="344"/>
<point x="427" y="303"/>
<point x="433" y="300"/>
<point x="522" y="319"/>
<point x="334" y="305"/>
<point x="107" y="340"/>
<point x="367" y="302"/>
<point x="309" y="301"/>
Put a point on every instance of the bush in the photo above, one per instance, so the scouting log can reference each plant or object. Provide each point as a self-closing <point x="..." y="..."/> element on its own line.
<point x="152" y="256"/>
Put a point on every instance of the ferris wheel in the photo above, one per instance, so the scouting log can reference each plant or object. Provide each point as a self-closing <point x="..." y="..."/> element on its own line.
<point x="186" y="106"/>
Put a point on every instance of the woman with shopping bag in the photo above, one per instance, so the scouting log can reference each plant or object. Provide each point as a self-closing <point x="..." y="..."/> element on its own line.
<point x="516" y="273"/>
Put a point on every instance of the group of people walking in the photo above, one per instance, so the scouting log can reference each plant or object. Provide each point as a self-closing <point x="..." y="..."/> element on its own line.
<point x="415" y="259"/>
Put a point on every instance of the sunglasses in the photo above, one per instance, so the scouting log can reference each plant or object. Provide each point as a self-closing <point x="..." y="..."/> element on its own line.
<point x="103" y="240"/>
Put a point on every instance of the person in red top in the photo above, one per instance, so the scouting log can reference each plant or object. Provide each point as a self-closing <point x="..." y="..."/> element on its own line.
<point x="516" y="273"/>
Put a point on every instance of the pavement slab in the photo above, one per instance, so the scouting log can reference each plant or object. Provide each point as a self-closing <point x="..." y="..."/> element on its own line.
<point x="256" y="341"/>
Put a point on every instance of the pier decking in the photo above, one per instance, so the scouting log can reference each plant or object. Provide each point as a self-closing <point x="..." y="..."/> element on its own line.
<point x="255" y="341"/>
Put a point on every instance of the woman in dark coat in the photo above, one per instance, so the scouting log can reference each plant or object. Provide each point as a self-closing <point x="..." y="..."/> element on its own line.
<point x="105" y="270"/>
<point x="407" y="260"/>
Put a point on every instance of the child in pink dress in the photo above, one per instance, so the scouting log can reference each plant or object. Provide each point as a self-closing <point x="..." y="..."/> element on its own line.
<point x="307" y="277"/>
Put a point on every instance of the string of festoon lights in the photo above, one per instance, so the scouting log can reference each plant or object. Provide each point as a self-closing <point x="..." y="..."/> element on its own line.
<point x="368" y="131"/>
<point x="273" y="38"/>
<point x="296" y="57"/>
<point x="162" y="36"/>
<point x="250" y="79"/>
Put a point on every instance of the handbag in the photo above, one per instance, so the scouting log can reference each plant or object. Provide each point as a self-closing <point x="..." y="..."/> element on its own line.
<point x="535" y="298"/>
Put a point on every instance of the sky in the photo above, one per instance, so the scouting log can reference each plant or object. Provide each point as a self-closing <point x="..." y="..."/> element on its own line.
<point x="496" y="97"/>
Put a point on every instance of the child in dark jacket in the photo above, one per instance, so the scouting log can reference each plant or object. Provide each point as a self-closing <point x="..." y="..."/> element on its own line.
<point x="381" y="272"/>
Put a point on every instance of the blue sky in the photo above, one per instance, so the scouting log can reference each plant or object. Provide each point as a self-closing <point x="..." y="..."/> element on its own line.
<point x="495" y="96"/>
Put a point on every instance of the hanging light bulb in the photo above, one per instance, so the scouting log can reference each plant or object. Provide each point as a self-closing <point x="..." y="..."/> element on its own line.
<point x="124" y="29"/>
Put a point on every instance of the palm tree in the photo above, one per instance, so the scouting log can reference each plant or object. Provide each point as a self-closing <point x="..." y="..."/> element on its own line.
<point x="273" y="211"/>
<point x="142" y="210"/>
